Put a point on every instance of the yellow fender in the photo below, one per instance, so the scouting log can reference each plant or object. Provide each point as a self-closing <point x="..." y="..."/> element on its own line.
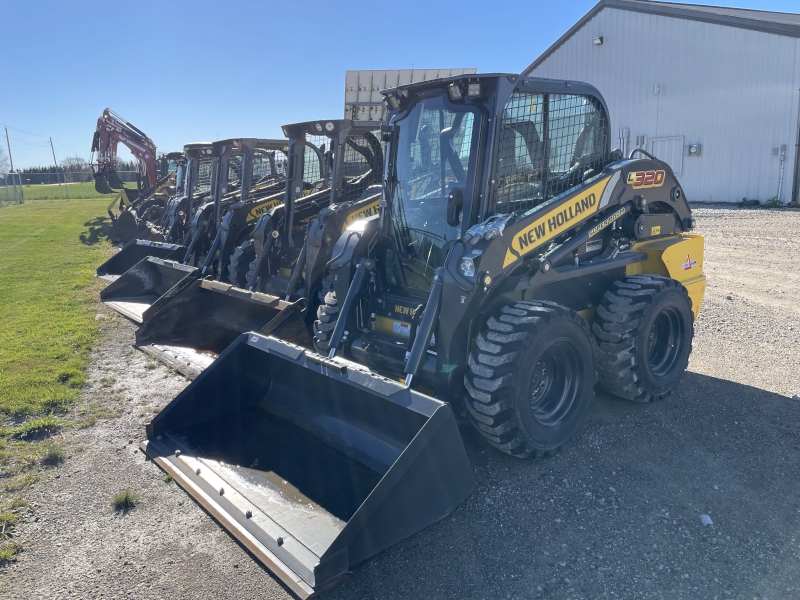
<point x="679" y="257"/>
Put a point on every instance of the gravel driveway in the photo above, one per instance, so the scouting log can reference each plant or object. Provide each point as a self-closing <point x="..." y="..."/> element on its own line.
<point x="616" y="515"/>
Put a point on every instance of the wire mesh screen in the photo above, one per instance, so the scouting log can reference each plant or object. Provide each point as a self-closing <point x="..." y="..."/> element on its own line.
<point x="316" y="158"/>
<point x="234" y="171"/>
<point x="204" y="166"/>
<point x="548" y="144"/>
<point x="362" y="165"/>
<point x="262" y="167"/>
<point x="359" y="154"/>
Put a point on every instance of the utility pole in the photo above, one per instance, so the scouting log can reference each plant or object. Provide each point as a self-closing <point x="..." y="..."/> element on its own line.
<point x="66" y="188"/>
<point x="11" y="160"/>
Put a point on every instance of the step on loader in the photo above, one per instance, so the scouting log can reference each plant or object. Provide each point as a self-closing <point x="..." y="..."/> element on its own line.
<point x="285" y="265"/>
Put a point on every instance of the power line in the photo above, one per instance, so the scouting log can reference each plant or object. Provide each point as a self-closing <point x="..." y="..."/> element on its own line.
<point x="25" y="132"/>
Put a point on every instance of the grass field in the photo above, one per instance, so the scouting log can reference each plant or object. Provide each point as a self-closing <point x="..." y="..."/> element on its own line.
<point x="50" y="250"/>
<point x="54" y="192"/>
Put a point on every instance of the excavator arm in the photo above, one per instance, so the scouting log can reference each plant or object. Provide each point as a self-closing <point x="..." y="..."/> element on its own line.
<point x="110" y="132"/>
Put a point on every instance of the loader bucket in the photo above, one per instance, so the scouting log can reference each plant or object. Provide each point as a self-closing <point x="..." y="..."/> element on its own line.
<point x="147" y="287"/>
<point x="207" y="316"/>
<point x="124" y="225"/>
<point x="114" y="180"/>
<point x="133" y="252"/>
<point x="314" y="465"/>
<point x="101" y="184"/>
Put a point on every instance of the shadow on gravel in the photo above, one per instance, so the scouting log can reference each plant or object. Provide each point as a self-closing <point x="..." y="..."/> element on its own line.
<point x="98" y="229"/>
<point x="618" y="511"/>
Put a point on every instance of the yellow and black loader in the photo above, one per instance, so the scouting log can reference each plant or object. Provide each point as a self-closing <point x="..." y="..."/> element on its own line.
<point x="515" y="262"/>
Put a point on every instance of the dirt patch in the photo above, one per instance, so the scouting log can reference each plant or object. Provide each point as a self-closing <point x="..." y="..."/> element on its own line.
<point x="617" y="514"/>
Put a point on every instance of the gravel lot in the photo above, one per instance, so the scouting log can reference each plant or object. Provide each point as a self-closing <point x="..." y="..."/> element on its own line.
<point x="616" y="515"/>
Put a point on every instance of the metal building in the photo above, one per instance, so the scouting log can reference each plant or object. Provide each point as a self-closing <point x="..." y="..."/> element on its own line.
<point x="362" y="95"/>
<point x="713" y="91"/>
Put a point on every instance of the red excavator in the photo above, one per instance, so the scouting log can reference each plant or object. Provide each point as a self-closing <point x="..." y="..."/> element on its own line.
<point x="150" y="190"/>
<point x="111" y="130"/>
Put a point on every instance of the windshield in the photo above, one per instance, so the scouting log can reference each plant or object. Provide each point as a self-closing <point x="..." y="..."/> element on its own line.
<point x="436" y="145"/>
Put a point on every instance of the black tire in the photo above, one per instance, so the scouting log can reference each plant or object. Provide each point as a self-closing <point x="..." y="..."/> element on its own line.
<point x="644" y="329"/>
<point x="327" y="316"/>
<point x="240" y="263"/>
<point x="531" y="378"/>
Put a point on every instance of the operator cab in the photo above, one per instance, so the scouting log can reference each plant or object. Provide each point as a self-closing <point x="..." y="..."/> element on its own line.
<point x="445" y="140"/>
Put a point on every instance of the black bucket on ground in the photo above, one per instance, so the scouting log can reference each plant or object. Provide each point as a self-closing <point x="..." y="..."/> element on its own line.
<point x="144" y="289"/>
<point x="205" y="317"/>
<point x="314" y="465"/>
<point x="133" y="252"/>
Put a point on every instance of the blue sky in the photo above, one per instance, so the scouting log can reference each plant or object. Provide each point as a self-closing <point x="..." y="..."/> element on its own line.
<point x="199" y="70"/>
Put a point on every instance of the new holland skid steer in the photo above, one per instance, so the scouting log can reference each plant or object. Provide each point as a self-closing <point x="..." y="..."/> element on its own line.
<point x="343" y="159"/>
<point x="515" y="258"/>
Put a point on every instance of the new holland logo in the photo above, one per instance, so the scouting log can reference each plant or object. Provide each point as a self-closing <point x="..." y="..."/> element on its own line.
<point x="259" y="210"/>
<point x="366" y="211"/>
<point x="687" y="266"/>
<point x="555" y="222"/>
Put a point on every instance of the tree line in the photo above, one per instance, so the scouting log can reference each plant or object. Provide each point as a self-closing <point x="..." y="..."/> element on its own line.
<point x="75" y="169"/>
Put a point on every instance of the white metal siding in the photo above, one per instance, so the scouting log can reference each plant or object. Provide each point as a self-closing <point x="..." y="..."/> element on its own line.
<point x="363" y="88"/>
<point x="735" y="91"/>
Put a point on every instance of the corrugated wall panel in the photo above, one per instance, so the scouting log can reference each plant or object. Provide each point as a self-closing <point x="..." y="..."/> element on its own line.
<point x="362" y="96"/>
<point x="734" y="91"/>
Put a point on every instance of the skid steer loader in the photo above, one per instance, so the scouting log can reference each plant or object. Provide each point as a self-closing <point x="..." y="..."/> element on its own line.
<point x="285" y="264"/>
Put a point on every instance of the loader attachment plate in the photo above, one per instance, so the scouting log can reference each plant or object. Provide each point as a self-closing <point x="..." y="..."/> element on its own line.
<point x="314" y="465"/>
<point x="205" y="317"/>
<point x="133" y="252"/>
<point x="144" y="289"/>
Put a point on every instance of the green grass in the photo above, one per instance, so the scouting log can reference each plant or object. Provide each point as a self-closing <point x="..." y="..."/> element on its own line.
<point x="125" y="500"/>
<point x="52" y="455"/>
<point x="84" y="189"/>
<point x="50" y="251"/>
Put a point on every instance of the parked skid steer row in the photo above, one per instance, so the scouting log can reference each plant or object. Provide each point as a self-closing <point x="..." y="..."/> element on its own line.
<point x="514" y="258"/>
<point x="193" y="179"/>
<point x="188" y="226"/>
<point x="329" y="172"/>
<point x="150" y="284"/>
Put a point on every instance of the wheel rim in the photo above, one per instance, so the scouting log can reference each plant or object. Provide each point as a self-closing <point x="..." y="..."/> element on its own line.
<point x="665" y="342"/>
<point x="554" y="384"/>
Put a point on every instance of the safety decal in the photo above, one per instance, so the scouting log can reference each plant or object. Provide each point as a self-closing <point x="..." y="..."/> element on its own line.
<point x="554" y="223"/>
<point x="606" y="222"/>
<point x="687" y="266"/>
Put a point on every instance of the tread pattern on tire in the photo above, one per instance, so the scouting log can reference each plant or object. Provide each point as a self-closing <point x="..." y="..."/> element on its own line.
<point x="493" y="369"/>
<point x="616" y="328"/>
<point x="327" y="316"/>
<point x="241" y="256"/>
